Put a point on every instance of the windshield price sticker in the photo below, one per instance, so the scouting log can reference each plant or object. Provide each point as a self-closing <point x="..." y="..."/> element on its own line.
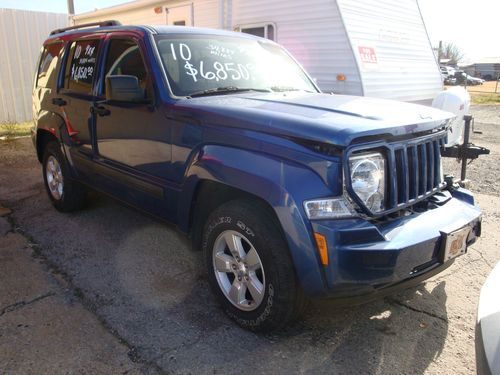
<point x="217" y="71"/>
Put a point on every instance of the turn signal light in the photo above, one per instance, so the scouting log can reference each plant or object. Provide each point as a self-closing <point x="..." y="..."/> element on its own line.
<point x="340" y="77"/>
<point x="322" y="248"/>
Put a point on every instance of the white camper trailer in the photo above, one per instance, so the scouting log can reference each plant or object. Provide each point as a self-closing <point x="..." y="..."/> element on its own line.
<point x="356" y="47"/>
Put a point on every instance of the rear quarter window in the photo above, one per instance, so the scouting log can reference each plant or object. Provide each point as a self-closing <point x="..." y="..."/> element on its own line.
<point x="81" y="66"/>
<point x="46" y="75"/>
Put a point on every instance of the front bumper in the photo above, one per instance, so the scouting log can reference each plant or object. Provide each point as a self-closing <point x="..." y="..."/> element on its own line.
<point x="369" y="260"/>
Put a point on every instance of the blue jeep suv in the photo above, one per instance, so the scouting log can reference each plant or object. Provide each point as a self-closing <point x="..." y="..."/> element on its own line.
<point x="289" y="193"/>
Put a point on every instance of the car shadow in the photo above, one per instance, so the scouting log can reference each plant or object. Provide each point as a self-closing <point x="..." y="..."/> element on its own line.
<point x="403" y="333"/>
<point x="140" y="277"/>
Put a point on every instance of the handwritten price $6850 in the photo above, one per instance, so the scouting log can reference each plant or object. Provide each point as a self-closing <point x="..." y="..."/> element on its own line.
<point x="221" y="71"/>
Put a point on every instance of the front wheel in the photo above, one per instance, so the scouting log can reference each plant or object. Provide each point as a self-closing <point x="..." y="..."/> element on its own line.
<point x="65" y="194"/>
<point x="249" y="267"/>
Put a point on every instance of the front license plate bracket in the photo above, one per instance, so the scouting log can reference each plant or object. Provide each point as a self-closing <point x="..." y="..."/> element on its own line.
<point x="454" y="243"/>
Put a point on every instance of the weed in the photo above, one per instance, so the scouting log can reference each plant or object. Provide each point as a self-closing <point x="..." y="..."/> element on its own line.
<point x="11" y="130"/>
<point x="485" y="98"/>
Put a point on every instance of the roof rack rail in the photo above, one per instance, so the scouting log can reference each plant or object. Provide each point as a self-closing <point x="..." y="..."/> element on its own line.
<point x="83" y="25"/>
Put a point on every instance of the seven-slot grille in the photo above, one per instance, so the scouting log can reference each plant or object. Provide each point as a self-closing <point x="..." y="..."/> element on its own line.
<point x="414" y="171"/>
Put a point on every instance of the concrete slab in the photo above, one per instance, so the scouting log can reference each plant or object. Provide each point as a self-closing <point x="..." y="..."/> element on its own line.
<point x="21" y="278"/>
<point x="43" y="328"/>
<point x="50" y="336"/>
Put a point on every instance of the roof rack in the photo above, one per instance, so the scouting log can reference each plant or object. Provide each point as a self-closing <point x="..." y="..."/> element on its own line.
<point x="83" y="25"/>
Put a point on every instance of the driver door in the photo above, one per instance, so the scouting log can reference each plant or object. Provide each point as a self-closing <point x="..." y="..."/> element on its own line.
<point x="132" y="137"/>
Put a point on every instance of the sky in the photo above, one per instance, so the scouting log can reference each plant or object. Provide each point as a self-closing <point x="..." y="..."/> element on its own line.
<point x="473" y="25"/>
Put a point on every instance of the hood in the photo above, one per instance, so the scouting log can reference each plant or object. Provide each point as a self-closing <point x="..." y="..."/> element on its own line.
<point x="335" y="119"/>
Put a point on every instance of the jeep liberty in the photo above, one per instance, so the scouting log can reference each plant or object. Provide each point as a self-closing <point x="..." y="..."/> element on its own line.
<point x="289" y="193"/>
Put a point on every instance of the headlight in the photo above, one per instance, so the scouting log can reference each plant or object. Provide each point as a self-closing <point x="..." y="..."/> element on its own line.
<point x="368" y="179"/>
<point x="328" y="208"/>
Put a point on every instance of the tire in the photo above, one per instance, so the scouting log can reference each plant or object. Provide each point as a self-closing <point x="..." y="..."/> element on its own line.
<point x="253" y="279"/>
<point x="65" y="194"/>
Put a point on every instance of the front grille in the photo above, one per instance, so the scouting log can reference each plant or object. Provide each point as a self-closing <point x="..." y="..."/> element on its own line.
<point x="413" y="171"/>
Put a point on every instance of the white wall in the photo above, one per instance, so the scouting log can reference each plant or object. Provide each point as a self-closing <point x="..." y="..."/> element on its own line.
<point x="205" y="13"/>
<point x="22" y="34"/>
<point x="137" y="16"/>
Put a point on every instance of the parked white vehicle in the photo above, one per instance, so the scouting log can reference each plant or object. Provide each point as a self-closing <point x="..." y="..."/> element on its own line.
<point x="355" y="47"/>
<point x="448" y="70"/>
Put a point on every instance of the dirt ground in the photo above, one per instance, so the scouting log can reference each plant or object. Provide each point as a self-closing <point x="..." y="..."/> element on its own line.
<point x="148" y="293"/>
<point x="488" y="87"/>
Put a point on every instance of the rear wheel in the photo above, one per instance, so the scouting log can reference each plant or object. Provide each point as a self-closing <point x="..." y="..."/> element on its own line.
<point x="249" y="267"/>
<point x="65" y="194"/>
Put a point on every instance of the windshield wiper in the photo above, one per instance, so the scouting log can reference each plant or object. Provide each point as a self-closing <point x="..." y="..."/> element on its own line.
<point x="287" y="88"/>
<point x="225" y="89"/>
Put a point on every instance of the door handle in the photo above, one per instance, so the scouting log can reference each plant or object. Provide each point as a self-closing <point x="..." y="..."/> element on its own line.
<point x="59" y="102"/>
<point x="101" y="111"/>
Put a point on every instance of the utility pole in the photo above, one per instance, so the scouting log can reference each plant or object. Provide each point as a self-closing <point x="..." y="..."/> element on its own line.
<point x="71" y="7"/>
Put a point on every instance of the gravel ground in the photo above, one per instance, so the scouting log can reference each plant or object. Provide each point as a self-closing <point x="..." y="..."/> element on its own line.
<point x="139" y="278"/>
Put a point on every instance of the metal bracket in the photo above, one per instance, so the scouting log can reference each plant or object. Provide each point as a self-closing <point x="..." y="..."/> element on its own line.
<point x="466" y="150"/>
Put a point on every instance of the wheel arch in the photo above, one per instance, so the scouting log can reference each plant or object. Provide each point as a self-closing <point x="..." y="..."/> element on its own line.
<point x="43" y="137"/>
<point x="209" y="195"/>
<point x="220" y="174"/>
<point x="48" y="128"/>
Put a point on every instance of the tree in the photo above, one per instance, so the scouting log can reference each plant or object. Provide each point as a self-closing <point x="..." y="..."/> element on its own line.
<point x="453" y="52"/>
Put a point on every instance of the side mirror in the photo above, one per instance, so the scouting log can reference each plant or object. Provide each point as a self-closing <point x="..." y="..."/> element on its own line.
<point x="124" y="88"/>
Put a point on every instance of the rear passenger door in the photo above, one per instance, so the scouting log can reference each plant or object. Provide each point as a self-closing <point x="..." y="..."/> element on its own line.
<point x="76" y="94"/>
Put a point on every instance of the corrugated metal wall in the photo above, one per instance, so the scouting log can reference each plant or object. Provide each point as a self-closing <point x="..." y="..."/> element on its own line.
<point x="21" y="36"/>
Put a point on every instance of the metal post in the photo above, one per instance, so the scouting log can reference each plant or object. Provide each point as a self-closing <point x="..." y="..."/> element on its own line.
<point x="71" y="7"/>
<point x="467" y="119"/>
<point x="496" y="85"/>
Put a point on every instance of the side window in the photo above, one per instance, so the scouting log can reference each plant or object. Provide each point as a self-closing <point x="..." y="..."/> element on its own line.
<point x="81" y="66"/>
<point x="124" y="58"/>
<point x="46" y="71"/>
<point x="264" y="31"/>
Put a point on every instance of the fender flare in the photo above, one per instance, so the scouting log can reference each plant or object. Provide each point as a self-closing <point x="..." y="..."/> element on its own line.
<point x="47" y="122"/>
<point x="283" y="185"/>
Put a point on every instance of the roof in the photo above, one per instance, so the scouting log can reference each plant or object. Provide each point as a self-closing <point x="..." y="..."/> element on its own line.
<point x="153" y="29"/>
<point x="163" y="29"/>
<point x="89" y="30"/>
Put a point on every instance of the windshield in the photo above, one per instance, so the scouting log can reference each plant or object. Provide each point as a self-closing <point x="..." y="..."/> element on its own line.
<point x="203" y="64"/>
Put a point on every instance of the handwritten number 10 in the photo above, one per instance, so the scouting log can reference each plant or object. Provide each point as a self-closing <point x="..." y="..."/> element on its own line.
<point x="222" y="71"/>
